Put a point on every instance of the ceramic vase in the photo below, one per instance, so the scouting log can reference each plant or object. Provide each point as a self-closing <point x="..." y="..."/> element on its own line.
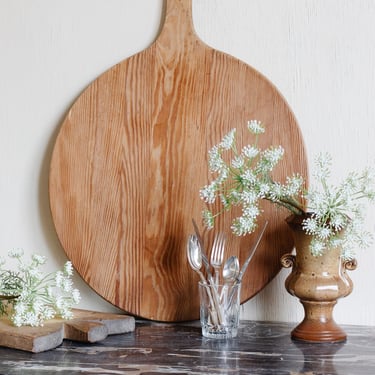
<point x="318" y="282"/>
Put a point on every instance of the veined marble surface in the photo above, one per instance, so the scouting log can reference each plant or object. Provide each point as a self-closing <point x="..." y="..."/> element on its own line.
<point x="153" y="348"/>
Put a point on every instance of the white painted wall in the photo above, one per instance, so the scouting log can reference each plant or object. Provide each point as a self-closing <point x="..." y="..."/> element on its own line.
<point x="319" y="53"/>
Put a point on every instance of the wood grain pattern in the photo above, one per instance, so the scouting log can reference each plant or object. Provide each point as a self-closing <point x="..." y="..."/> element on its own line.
<point x="131" y="156"/>
<point x="86" y="326"/>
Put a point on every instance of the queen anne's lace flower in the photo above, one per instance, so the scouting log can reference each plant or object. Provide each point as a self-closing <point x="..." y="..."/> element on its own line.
<point x="310" y="226"/>
<point x="336" y="217"/>
<point x="243" y="225"/>
<point x="256" y="127"/>
<point x="15" y="253"/>
<point x="228" y="140"/>
<point x="249" y="177"/>
<point x="208" y="219"/>
<point x="238" y="162"/>
<point x="68" y="268"/>
<point x="250" y="152"/>
<point x="36" y="295"/>
<point x="215" y="161"/>
<point x="248" y="197"/>
<point x="208" y="193"/>
<point x="38" y="259"/>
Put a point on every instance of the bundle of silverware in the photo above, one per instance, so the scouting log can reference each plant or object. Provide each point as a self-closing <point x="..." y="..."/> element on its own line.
<point x="220" y="295"/>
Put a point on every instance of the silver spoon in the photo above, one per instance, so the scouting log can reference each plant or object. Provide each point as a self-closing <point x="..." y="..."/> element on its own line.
<point x="231" y="269"/>
<point x="200" y="243"/>
<point x="194" y="256"/>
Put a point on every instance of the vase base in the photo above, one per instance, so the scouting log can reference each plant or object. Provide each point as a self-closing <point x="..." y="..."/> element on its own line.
<point x="314" y="331"/>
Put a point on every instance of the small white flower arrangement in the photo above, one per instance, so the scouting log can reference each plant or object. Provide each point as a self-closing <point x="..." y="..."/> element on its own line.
<point x="333" y="215"/>
<point x="29" y="297"/>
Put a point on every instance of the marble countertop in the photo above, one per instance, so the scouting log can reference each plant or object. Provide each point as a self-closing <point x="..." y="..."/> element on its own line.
<point x="154" y="348"/>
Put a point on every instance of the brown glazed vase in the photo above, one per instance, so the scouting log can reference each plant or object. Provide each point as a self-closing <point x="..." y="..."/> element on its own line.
<point x="318" y="282"/>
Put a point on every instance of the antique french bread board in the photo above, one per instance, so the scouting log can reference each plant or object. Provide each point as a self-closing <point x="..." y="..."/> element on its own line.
<point x="131" y="156"/>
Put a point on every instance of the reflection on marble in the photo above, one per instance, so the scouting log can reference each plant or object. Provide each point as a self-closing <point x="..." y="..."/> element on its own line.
<point x="154" y="348"/>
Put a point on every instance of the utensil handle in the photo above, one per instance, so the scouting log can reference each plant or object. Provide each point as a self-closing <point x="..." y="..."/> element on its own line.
<point x="213" y="312"/>
<point x="252" y="252"/>
<point x="245" y="265"/>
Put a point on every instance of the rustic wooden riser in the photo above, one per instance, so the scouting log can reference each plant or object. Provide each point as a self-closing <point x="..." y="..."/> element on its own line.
<point x="86" y="326"/>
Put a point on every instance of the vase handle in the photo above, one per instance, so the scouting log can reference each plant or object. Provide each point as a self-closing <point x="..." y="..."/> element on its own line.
<point x="350" y="264"/>
<point x="288" y="260"/>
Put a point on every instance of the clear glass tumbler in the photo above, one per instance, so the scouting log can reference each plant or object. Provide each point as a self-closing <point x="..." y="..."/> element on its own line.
<point x="219" y="310"/>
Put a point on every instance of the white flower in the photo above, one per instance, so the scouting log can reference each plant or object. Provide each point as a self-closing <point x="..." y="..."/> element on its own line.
<point x="208" y="193"/>
<point x="324" y="233"/>
<point x="59" y="302"/>
<point x="336" y="215"/>
<point x="317" y="247"/>
<point x="338" y="222"/>
<point x="59" y="278"/>
<point x="293" y="185"/>
<point x="269" y="159"/>
<point x="17" y="320"/>
<point x="310" y="225"/>
<point x="20" y="308"/>
<point x="68" y="268"/>
<point x="215" y="162"/>
<point x="38" y="259"/>
<point x="208" y="219"/>
<point x="323" y="164"/>
<point x="255" y="127"/>
<point x="264" y="190"/>
<point x="249" y="177"/>
<point x="251" y="212"/>
<point x="67" y="285"/>
<point x="250" y="152"/>
<point x="249" y="196"/>
<point x="37" y="293"/>
<point x="48" y="313"/>
<point x="238" y="162"/>
<point x="276" y="191"/>
<point x="227" y="141"/>
<point x="273" y="155"/>
<point x="76" y="295"/>
<point x="66" y="314"/>
<point x="223" y="175"/>
<point x="243" y="225"/>
<point x="35" y="273"/>
<point x="15" y="253"/>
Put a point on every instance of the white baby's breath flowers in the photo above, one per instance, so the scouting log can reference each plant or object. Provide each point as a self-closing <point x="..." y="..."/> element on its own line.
<point x="332" y="215"/>
<point x="35" y="296"/>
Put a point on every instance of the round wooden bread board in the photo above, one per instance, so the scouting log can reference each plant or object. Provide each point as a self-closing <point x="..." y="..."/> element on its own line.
<point x="131" y="156"/>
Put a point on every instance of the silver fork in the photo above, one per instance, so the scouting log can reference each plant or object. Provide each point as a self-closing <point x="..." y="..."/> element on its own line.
<point x="217" y="254"/>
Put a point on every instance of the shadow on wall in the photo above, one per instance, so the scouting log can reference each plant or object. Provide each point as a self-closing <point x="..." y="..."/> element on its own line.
<point x="270" y="304"/>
